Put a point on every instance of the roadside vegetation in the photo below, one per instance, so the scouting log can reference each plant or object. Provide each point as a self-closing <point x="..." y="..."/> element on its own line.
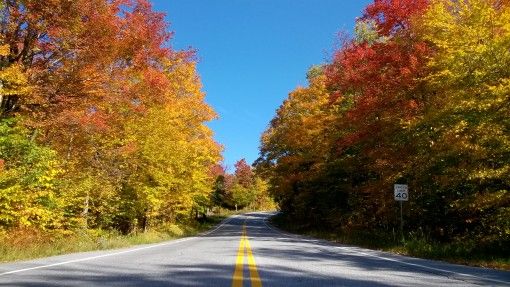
<point x="103" y="135"/>
<point x="419" y="96"/>
<point x="415" y="245"/>
<point x="28" y="243"/>
<point x="241" y="190"/>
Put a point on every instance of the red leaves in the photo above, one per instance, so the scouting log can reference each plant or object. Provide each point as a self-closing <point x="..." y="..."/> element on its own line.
<point x="128" y="149"/>
<point x="392" y="16"/>
<point x="96" y="64"/>
<point x="217" y="170"/>
<point x="143" y="33"/>
<point x="243" y="173"/>
<point x="95" y="120"/>
<point x="380" y="76"/>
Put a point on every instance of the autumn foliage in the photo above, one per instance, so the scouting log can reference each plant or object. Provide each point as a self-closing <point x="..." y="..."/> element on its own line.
<point x="418" y="96"/>
<point x="242" y="189"/>
<point x="102" y="121"/>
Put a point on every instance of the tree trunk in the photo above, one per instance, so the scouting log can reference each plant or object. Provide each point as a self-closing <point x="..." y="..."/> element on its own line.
<point x="85" y="213"/>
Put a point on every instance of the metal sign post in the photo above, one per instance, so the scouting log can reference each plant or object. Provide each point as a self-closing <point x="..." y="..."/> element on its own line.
<point x="401" y="222"/>
<point x="401" y="193"/>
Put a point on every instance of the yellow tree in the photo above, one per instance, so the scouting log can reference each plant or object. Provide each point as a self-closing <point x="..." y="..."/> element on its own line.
<point x="29" y="195"/>
<point x="295" y="147"/>
<point x="468" y="111"/>
<point x="174" y="147"/>
<point x="98" y="82"/>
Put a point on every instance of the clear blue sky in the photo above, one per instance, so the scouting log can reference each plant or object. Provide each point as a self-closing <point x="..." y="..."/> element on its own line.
<point x="252" y="53"/>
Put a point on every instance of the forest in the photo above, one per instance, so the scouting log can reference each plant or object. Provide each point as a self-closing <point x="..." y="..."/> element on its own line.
<point x="103" y="124"/>
<point x="419" y="95"/>
<point x="104" y="127"/>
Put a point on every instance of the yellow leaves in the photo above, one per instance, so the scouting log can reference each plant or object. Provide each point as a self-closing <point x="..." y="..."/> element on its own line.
<point x="123" y="110"/>
<point x="500" y="92"/>
<point x="13" y="81"/>
<point x="471" y="38"/>
<point x="47" y="179"/>
<point x="28" y="206"/>
<point x="483" y="200"/>
<point x="5" y="50"/>
<point x="485" y="173"/>
<point x="469" y="69"/>
<point x="302" y="119"/>
<point x="176" y="148"/>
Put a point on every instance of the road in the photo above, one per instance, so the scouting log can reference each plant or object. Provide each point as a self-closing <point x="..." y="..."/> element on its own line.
<point x="244" y="251"/>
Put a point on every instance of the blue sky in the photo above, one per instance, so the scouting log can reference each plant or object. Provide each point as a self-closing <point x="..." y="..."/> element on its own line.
<point x="252" y="53"/>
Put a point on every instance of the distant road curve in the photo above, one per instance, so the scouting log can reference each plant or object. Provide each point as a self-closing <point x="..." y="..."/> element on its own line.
<point x="244" y="251"/>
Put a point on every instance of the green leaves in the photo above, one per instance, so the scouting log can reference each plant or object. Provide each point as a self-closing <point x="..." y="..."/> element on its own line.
<point x="28" y="182"/>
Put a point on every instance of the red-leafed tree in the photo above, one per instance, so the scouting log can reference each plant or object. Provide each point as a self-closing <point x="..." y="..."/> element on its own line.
<point x="243" y="173"/>
<point x="418" y="96"/>
<point x="98" y="83"/>
<point x="378" y="80"/>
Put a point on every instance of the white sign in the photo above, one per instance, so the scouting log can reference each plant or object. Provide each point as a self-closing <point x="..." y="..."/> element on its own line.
<point x="401" y="192"/>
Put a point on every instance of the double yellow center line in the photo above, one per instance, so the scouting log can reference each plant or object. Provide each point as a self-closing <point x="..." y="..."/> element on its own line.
<point x="244" y="247"/>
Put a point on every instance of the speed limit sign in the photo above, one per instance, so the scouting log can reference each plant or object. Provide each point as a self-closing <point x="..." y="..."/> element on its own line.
<point x="401" y="192"/>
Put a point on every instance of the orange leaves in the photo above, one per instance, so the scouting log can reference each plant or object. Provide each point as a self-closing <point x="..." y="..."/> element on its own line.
<point x="128" y="149"/>
<point x="97" y="82"/>
<point x="243" y="173"/>
<point x="86" y="55"/>
<point x="95" y="121"/>
<point x="420" y="96"/>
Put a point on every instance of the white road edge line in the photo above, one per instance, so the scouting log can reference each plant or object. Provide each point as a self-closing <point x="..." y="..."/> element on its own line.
<point x="393" y="260"/>
<point x="427" y="267"/>
<point x="120" y="252"/>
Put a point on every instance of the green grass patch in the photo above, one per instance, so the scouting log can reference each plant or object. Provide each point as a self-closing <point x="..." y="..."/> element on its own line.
<point x="465" y="251"/>
<point x="22" y="244"/>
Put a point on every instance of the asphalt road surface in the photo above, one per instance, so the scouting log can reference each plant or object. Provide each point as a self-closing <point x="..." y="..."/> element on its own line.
<point x="244" y="251"/>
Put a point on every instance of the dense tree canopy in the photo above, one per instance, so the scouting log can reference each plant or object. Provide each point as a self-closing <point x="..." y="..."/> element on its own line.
<point x="102" y="122"/>
<point x="242" y="189"/>
<point x="419" y="96"/>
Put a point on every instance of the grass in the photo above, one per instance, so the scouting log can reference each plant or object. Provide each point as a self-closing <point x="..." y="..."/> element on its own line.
<point x="466" y="252"/>
<point x="23" y="244"/>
